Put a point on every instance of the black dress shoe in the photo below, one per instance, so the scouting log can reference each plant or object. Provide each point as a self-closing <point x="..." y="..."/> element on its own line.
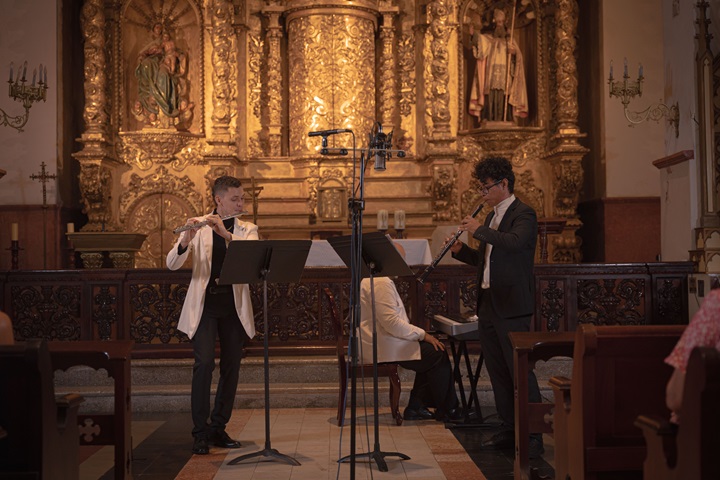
<point x="535" y="447"/>
<point x="504" y="439"/>
<point x="456" y="415"/>
<point x="421" y="413"/>
<point x="223" y="440"/>
<point x="200" y="446"/>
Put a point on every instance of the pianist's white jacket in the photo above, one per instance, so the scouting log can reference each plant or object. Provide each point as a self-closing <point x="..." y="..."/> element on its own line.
<point x="397" y="338"/>
<point x="202" y="245"/>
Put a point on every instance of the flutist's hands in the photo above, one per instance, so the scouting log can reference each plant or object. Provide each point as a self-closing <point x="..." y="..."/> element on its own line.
<point x="433" y="341"/>
<point x="188" y="235"/>
<point x="216" y="223"/>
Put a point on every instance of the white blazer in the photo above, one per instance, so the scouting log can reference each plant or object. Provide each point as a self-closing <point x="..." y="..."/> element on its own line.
<point x="397" y="338"/>
<point x="202" y="246"/>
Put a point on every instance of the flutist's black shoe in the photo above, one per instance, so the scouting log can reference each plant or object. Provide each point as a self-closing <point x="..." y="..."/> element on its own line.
<point x="200" y="446"/>
<point x="223" y="440"/>
<point x="421" y="413"/>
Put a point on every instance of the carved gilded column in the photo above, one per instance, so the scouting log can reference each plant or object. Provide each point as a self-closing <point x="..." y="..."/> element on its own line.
<point x="331" y="62"/>
<point x="387" y="90"/>
<point x="273" y="92"/>
<point x="96" y="154"/>
<point x="437" y="73"/>
<point x="224" y="70"/>
<point x="566" y="155"/>
<point x="566" y="20"/>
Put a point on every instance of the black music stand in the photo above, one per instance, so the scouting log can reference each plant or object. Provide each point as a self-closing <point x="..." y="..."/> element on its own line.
<point x="380" y="259"/>
<point x="254" y="261"/>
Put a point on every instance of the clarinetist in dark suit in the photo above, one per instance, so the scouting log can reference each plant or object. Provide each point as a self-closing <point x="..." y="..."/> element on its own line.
<point x="506" y="287"/>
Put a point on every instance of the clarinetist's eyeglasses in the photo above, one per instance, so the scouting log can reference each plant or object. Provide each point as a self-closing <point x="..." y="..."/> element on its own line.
<point x="485" y="189"/>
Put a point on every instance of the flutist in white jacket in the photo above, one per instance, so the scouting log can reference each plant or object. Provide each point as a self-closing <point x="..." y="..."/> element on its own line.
<point x="211" y="311"/>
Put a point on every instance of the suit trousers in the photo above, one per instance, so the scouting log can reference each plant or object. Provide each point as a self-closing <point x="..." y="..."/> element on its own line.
<point x="434" y="385"/>
<point x="219" y="319"/>
<point x="498" y="356"/>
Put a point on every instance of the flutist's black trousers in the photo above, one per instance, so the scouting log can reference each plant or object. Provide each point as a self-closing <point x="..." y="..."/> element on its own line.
<point x="219" y="319"/>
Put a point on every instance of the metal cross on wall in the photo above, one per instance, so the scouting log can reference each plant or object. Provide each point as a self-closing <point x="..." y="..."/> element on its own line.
<point x="44" y="177"/>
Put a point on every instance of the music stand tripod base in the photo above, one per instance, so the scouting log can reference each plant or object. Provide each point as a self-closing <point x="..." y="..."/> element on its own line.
<point x="254" y="261"/>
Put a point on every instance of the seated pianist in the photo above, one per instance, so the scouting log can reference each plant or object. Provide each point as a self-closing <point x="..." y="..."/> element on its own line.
<point x="398" y="341"/>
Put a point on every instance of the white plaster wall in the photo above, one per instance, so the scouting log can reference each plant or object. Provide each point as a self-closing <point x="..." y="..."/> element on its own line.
<point x="633" y="30"/>
<point x="28" y="31"/>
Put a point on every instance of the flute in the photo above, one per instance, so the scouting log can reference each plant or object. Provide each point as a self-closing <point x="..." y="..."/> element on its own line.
<point x="205" y="222"/>
<point x="445" y="249"/>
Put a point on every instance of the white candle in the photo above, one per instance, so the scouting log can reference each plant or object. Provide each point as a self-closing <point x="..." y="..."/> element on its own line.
<point x="14" y="232"/>
<point x="382" y="219"/>
<point x="70" y="228"/>
<point x="400" y="219"/>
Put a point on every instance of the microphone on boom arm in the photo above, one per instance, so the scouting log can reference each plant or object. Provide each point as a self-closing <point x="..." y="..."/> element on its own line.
<point x="324" y="150"/>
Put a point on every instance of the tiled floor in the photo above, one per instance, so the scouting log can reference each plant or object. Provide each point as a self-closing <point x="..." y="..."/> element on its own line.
<point x="162" y="449"/>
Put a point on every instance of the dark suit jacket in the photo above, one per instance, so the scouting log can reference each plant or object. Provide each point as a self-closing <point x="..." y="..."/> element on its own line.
<point x="512" y="281"/>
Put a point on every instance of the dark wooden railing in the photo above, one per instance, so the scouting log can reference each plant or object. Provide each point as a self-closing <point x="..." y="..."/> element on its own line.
<point x="144" y="305"/>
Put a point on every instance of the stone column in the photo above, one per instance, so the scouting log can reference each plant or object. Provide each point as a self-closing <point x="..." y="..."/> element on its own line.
<point x="331" y="63"/>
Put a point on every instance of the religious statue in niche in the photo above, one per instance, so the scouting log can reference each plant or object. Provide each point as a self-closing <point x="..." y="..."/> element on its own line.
<point x="498" y="94"/>
<point x="161" y="74"/>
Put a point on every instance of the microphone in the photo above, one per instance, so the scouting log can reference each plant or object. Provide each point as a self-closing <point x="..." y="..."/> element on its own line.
<point x="325" y="133"/>
<point x="381" y="142"/>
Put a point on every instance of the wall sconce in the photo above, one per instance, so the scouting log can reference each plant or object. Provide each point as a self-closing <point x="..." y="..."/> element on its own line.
<point x="627" y="89"/>
<point x="26" y="94"/>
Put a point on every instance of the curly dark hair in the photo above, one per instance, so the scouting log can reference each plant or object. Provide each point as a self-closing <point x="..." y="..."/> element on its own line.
<point x="495" y="169"/>
<point x="222" y="184"/>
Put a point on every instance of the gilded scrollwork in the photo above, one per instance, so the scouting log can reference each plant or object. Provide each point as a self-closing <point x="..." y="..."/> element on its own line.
<point x="437" y="77"/>
<point x="95" y="188"/>
<point x="406" y="71"/>
<point x="158" y="182"/>
<point x="530" y="151"/>
<point x="469" y="150"/>
<point x="529" y="192"/>
<point x="256" y="46"/>
<point x="95" y="113"/>
<point x="144" y="150"/>
<point x="444" y="192"/>
<point x="568" y="179"/>
<point x="323" y="82"/>
<point x="224" y="71"/>
<point x="566" y="17"/>
<point x="387" y="89"/>
<point x="272" y="95"/>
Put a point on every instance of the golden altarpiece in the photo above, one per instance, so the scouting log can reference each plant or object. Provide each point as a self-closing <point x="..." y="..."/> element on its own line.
<point x="178" y="92"/>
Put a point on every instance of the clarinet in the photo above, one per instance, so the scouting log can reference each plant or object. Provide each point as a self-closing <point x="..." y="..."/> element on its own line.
<point x="445" y="249"/>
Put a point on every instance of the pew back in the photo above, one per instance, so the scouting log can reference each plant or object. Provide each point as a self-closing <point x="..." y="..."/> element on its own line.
<point x="42" y="435"/>
<point x="618" y="372"/>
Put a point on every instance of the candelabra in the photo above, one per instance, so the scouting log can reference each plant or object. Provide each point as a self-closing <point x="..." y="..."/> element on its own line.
<point x="26" y="94"/>
<point x="14" y="254"/>
<point x="626" y="89"/>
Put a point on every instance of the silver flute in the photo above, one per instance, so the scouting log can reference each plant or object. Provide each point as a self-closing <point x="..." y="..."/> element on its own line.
<point x="445" y="249"/>
<point x="205" y="222"/>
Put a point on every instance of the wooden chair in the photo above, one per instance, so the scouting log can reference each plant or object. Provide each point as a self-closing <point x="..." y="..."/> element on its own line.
<point x="6" y="330"/>
<point x="389" y="370"/>
<point x="618" y="372"/>
<point x="690" y="450"/>
<point x="42" y="432"/>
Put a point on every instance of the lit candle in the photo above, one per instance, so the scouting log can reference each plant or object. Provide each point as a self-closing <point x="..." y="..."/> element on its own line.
<point x="625" y="70"/>
<point x="12" y="64"/>
<point x="611" y="70"/>
<point x="71" y="228"/>
<point x="399" y="219"/>
<point x="14" y="232"/>
<point x="382" y="220"/>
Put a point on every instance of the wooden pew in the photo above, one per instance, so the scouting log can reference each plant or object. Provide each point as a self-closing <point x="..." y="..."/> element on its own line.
<point x="618" y="373"/>
<point x="42" y="439"/>
<point x="690" y="450"/>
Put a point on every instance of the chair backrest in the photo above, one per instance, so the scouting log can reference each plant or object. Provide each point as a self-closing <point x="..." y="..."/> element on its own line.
<point x="6" y="330"/>
<point x="697" y="441"/>
<point x="337" y="328"/>
<point x="618" y="373"/>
